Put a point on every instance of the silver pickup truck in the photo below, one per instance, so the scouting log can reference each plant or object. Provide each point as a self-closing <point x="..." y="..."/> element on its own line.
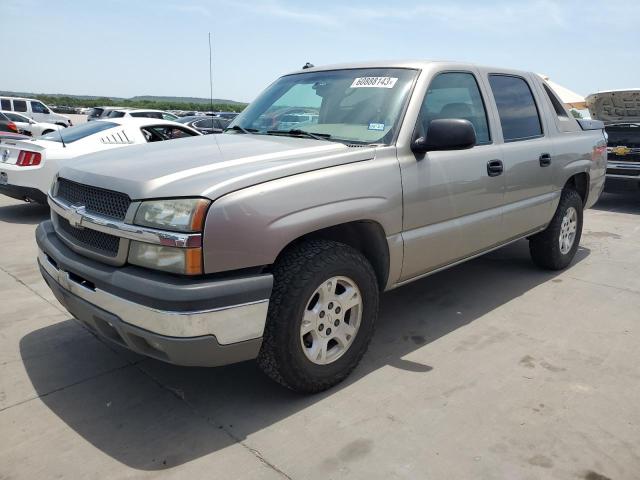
<point x="274" y="240"/>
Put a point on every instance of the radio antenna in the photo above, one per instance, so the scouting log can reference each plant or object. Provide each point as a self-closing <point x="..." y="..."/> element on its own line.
<point x="210" y="76"/>
<point x="61" y="139"/>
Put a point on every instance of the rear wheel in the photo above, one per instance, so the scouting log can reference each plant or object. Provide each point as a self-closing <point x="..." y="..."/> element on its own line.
<point x="555" y="247"/>
<point x="46" y="131"/>
<point x="321" y="316"/>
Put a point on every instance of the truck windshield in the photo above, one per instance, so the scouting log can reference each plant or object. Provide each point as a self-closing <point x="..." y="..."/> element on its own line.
<point x="360" y="106"/>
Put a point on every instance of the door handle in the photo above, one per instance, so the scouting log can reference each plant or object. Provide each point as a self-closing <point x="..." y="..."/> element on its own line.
<point x="494" y="168"/>
<point x="545" y="159"/>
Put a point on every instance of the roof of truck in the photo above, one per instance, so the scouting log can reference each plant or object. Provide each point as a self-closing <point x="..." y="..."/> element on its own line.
<point x="415" y="64"/>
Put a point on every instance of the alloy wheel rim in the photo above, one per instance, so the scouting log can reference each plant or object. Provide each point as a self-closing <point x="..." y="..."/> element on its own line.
<point x="568" y="229"/>
<point x="331" y="320"/>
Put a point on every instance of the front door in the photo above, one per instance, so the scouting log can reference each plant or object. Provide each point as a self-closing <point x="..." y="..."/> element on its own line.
<point x="452" y="205"/>
<point x="39" y="112"/>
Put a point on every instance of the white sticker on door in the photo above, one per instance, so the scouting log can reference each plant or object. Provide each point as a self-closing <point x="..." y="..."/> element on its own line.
<point x="374" y="82"/>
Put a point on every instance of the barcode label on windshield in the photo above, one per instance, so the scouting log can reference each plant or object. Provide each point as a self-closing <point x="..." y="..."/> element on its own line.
<point x="374" y="82"/>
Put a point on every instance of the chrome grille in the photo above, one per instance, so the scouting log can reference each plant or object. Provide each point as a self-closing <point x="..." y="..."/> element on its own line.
<point x="100" y="242"/>
<point x="95" y="200"/>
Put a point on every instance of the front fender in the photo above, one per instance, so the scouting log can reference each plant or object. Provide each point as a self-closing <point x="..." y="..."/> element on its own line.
<point x="250" y="227"/>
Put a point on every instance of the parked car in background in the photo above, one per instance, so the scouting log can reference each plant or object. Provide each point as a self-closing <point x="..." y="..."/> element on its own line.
<point x="30" y="127"/>
<point x="276" y="243"/>
<point x="206" y="125"/>
<point x="34" y="109"/>
<point x="227" y="115"/>
<point x="141" y="113"/>
<point x="620" y="112"/>
<point x="97" y="113"/>
<point x="27" y="168"/>
<point x="63" y="109"/>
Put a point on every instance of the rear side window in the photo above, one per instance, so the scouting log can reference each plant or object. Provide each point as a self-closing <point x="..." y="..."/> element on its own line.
<point x="115" y="114"/>
<point x="5" y="103"/>
<point x="14" y="117"/>
<point x="518" y="112"/>
<point x="557" y="106"/>
<point x="19" y="106"/>
<point x="456" y="95"/>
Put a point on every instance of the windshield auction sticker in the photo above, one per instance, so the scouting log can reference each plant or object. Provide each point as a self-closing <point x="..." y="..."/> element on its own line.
<point x="374" y="82"/>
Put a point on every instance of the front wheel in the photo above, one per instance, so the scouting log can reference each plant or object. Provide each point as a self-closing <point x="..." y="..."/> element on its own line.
<point x="321" y="315"/>
<point x="555" y="247"/>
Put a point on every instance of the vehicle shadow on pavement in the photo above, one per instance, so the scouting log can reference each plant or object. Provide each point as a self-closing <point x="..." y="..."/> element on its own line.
<point x="24" y="213"/>
<point x="152" y="416"/>
<point x="621" y="201"/>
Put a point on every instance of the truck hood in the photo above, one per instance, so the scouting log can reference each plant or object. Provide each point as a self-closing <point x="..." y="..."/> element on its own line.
<point x="615" y="106"/>
<point x="208" y="166"/>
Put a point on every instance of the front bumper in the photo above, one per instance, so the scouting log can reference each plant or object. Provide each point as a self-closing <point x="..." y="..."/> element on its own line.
<point x="185" y="321"/>
<point x="617" y="170"/>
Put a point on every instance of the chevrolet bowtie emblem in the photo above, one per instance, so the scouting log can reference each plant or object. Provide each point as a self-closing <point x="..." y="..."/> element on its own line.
<point x="75" y="214"/>
<point x="621" y="150"/>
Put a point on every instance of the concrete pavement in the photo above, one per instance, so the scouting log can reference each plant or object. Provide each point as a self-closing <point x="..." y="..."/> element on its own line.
<point x="492" y="369"/>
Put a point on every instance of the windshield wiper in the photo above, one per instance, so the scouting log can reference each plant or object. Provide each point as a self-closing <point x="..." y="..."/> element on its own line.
<point x="238" y="128"/>
<point x="298" y="132"/>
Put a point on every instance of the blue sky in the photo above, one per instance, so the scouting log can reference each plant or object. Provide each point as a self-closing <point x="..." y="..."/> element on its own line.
<point x="138" y="47"/>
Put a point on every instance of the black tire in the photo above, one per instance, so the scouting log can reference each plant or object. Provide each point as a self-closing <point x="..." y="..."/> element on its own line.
<point x="545" y="247"/>
<point x="297" y="274"/>
<point x="46" y="131"/>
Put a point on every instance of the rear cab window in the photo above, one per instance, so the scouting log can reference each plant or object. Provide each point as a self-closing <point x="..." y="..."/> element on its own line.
<point x="456" y="95"/>
<point x="73" y="134"/>
<point x="517" y="109"/>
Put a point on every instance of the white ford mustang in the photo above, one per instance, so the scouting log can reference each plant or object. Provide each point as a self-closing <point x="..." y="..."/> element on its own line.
<point x="28" y="167"/>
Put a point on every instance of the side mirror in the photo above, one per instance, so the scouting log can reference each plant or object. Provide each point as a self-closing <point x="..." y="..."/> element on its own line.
<point x="446" y="134"/>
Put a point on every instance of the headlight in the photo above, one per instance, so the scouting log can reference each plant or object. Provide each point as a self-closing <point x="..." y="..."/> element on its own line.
<point x="179" y="214"/>
<point x="176" y="215"/>
<point x="185" y="261"/>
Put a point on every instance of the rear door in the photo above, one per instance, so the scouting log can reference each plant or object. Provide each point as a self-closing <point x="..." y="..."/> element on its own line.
<point x="526" y="152"/>
<point x="20" y="106"/>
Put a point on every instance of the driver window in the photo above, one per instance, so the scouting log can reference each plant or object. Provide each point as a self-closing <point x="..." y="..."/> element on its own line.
<point x="456" y="95"/>
<point x="37" y="107"/>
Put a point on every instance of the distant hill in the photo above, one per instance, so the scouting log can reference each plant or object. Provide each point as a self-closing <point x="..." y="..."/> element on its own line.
<point x="64" y="101"/>
<point x="185" y="99"/>
<point x="150" y="98"/>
